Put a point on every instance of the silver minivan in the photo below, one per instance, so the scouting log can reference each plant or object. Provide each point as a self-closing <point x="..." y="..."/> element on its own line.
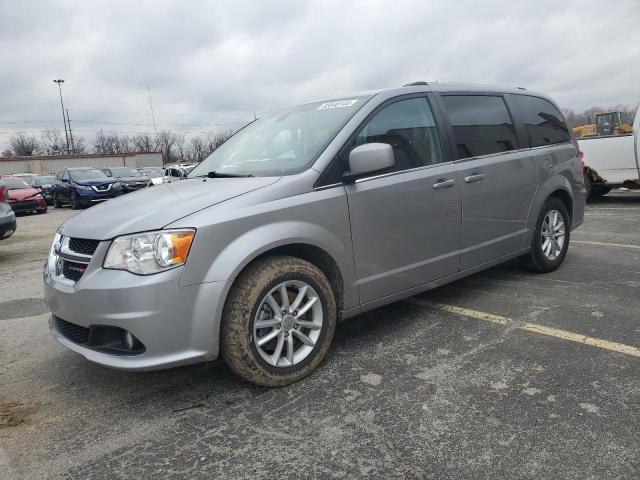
<point x="312" y="214"/>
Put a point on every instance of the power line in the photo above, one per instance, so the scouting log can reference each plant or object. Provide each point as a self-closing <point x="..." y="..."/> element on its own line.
<point x="153" y="117"/>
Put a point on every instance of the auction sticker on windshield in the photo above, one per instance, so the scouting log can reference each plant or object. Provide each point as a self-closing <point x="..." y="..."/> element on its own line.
<point x="338" y="104"/>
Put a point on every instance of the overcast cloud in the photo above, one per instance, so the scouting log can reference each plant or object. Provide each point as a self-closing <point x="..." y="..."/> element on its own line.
<point x="212" y="64"/>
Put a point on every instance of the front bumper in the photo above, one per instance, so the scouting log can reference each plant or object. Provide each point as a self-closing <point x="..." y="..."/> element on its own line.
<point x="134" y="186"/>
<point x="19" y="206"/>
<point x="177" y="325"/>
<point x="91" y="196"/>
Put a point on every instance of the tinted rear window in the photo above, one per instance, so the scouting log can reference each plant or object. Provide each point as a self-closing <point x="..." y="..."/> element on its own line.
<point x="481" y="124"/>
<point x="544" y="123"/>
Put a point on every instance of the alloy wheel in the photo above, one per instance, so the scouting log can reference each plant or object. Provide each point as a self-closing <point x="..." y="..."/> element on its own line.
<point x="288" y="323"/>
<point x="553" y="233"/>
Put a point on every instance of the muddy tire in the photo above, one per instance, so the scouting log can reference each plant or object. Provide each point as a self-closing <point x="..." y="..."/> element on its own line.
<point x="542" y="257"/>
<point x="255" y="300"/>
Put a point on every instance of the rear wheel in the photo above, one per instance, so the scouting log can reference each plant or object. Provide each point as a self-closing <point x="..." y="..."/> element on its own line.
<point x="278" y="321"/>
<point x="551" y="237"/>
<point x="43" y="209"/>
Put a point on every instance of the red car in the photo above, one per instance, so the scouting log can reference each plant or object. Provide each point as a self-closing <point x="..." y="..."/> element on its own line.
<point x="23" y="197"/>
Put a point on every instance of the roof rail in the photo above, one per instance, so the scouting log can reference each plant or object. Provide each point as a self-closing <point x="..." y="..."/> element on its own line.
<point x="415" y="84"/>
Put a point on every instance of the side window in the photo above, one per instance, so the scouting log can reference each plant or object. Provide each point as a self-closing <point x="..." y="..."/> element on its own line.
<point x="545" y="125"/>
<point x="481" y="124"/>
<point x="408" y="126"/>
<point x="65" y="175"/>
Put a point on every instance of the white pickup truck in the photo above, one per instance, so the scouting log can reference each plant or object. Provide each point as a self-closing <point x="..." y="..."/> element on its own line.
<point x="611" y="161"/>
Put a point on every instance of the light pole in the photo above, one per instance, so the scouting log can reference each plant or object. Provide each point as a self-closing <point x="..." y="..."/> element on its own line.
<point x="60" y="81"/>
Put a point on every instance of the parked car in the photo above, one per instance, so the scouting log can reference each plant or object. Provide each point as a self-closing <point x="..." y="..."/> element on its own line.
<point x="611" y="161"/>
<point x="7" y="215"/>
<point x="44" y="184"/>
<point x="155" y="174"/>
<point x="23" y="197"/>
<point x="312" y="213"/>
<point x="130" y="179"/>
<point x="178" y="170"/>
<point x="83" y="186"/>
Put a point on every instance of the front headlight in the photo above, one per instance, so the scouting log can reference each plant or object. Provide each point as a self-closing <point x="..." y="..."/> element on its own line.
<point x="150" y="252"/>
<point x="57" y="242"/>
<point x="83" y="187"/>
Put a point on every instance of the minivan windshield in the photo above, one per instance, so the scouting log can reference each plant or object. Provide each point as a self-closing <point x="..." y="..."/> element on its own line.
<point x="282" y="143"/>
<point x="85" y="175"/>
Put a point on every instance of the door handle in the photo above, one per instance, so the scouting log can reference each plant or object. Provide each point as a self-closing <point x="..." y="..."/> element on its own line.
<point x="442" y="183"/>
<point x="474" y="178"/>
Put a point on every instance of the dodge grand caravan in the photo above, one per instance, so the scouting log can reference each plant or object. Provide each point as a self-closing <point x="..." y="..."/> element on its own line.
<point x="314" y="213"/>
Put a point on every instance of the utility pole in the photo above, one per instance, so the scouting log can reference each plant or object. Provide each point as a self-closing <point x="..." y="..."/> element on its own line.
<point x="155" y="130"/>
<point x="60" y="81"/>
<point x="73" y="147"/>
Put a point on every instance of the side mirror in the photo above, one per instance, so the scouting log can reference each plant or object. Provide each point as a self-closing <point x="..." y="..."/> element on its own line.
<point x="64" y="180"/>
<point x="368" y="158"/>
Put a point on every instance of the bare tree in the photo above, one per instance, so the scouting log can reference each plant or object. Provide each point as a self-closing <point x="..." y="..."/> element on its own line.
<point x="214" y="139"/>
<point x="181" y="150"/>
<point x="79" y="144"/>
<point x="51" y="141"/>
<point x="165" y="142"/>
<point x="143" y="142"/>
<point x="23" y="144"/>
<point x="100" y="143"/>
<point x="196" y="151"/>
<point x="7" y="153"/>
<point x="124" y="143"/>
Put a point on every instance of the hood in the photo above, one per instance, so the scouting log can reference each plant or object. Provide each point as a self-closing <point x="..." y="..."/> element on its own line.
<point x="153" y="208"/>
<point x="97" y="181"/>
<point x="22" y="194"/>
<point x="133" y="179"/>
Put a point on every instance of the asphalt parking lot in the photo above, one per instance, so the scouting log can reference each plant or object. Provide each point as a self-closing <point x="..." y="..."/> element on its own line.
<point x="505" y="374"/>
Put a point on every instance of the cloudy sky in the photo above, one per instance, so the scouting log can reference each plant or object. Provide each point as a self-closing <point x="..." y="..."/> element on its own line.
<point x="210" y="65"/>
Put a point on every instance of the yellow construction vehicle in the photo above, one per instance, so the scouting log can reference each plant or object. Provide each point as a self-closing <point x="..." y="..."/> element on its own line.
<point x="607" y="123"/>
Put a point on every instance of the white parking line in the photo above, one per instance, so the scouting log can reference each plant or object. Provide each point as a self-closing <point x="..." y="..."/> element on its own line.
<point x="531" y="327"/>
<point x="605" y="244"/>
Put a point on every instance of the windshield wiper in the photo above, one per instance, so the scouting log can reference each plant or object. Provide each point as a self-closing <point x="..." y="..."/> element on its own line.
<point x="214" y="174"/>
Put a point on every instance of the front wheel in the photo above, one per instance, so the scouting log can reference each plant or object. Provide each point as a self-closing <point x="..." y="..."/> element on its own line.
<point x="550" y="238"/>
<point x="278" y="321"/>
<point x="56" y="201"/>
<point x="75" y="201"/>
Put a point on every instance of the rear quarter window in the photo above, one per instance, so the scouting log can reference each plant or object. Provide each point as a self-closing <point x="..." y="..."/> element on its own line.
<point x="481" y="124"/>
<point x="543" y="122"/>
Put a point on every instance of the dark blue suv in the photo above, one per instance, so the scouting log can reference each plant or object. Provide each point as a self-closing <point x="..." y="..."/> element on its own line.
<point x="83" y="186"/>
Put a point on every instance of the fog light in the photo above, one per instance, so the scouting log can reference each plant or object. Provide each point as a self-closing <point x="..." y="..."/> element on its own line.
<point x="128" y="340"/>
